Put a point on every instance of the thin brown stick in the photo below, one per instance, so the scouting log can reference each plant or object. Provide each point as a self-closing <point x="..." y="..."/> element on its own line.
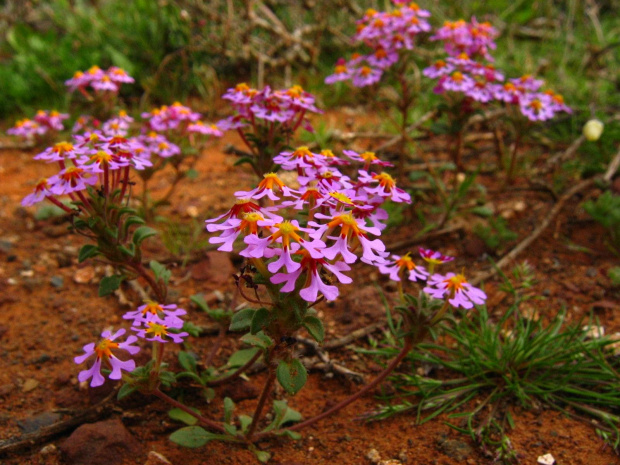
<point x="525" y="243"/>
<point x="607" y="177"/>
<point x="352" y="336"/>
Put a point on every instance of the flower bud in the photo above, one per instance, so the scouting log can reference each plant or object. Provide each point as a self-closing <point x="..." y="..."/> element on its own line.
<point x="593" y="130"/>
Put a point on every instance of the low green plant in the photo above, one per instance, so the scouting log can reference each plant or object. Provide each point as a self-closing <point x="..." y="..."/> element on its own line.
<point x="495" y="233"/>
<point x="614" y="275"/>
<point x="606" y="211"/>
<point x="514" y="361"/>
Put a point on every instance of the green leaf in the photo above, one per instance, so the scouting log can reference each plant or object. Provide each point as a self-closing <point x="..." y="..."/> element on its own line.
<point x="291" y="375"/>
<point x="260" y="340"/>
<point x="200" y="301"/>
<point x="183" y="416"/>
<point x="229" y="409"/>
<point x="87" y="251"/>
<point x="285" y="414"/>
<point x="241" y="357"/>
<point x="291" y="434"/>
<point x="482" y="211"/>
<point x="109" y="284"/>
<point x="314" y="327"/>
<point x="131" y="221"/>
<point x="191" y="173"/>
<point x="129" y="251"/>
<point x="124" y="391"/>
<point x="262" y="456"/>
<point x="260" y="319"/>
<point x="192" y="436"/>
<point x="160" y="271"/>
<point x="242" y="319"/>
<point x="230" y="429"/>
<point x="243" y="160"/>
<point x="245" y="421"/>
<point x="142" y="233"/>
<point x="187" y="361"/>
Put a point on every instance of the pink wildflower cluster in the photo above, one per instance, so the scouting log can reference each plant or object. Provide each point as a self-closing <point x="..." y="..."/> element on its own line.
<point x="43" y="122"/>
<point x="287" y="108"/>
<point x="100" y="80"/>
<point x="344" y="220"/>
<point x="467" y="70"/>
<point x="454" y="287"/>
<point x="90" y="159"/>
<point x="386" y="33"/>
<point x="151" y="321"/>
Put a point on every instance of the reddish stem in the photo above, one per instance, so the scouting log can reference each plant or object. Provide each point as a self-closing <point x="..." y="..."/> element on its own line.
<point x="409" y="342"/>
<point x="261" y="403"/>
<point x="203" y="420"/>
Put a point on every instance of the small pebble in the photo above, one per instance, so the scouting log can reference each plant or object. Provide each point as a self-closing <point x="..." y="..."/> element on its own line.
<point x="373" y="455"/>
<point x="546" y="459"/>
<point x="30" y="385"/>
<point x="49" y="449"/>
<point x="57" y="281"/>
<point x="155" y="458"/>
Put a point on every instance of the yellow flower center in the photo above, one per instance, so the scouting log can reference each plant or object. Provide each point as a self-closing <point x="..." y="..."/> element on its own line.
<point x="62" y="147"/>
<point x="101" y="157"/>
<point x="104" y="348"/>
<point x="385" y="180"/>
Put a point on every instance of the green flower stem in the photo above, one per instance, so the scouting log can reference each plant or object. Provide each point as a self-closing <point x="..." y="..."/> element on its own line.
<point x="442" y="311"/>
<point x="158" y="356"/>
<point x="202" y="420"/>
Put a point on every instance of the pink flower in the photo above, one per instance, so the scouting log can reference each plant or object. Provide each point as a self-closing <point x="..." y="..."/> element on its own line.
<point x="438" y="69"/>
<point x="266" y="187"/>
<point x="386" y="188"/>
<point x="71" y="179"/>
<point x="433" y="257"/>
<point x="537" y="106"/>
<point x="459" y="292"/>
<point x="314" y="284"/>
<point x="368" y="158"/>
<point x="366" y="76"/>
<point x="152" y="311"/>
<point x="159" y="329"/>
<point x="396" y="267"/>
<point x="103" y="352"/>
<point x="341" y="73"/>
<point x="41" y="191"/>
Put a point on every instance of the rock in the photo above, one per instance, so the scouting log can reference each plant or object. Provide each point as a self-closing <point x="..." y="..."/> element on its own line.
<point x="546" y="459"/>
<point x="457" y="450"/>
<point x="48" y="450"/>
<point x="390" y="462"/>
<point x="32" y="424"/>
<point x="30" y="385"/>
<point x="373" y="455"/>
<point x="57" y="281"/>
<point x="84" y="275"/>
<point x="155" y="458"/>
<point x="102" y="443"/>
<point x="217" y="269"/>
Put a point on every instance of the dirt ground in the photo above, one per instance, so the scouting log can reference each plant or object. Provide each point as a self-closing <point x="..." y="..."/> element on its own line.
<point x="49" y="309"/>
